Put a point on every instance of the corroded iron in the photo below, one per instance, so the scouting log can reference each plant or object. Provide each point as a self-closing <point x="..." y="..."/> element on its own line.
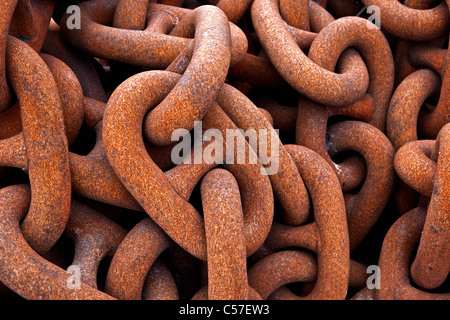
<point x="413" y="24"/>
<point x="431" y="264"/>
<point x="325" y="235"/>
<point x="45" y="143"/>
<point x="97" y="203"/>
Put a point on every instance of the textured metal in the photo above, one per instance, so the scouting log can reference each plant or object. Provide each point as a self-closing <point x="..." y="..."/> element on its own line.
<point x="339" y="161"/>
<point x="36" y="278"/>
<point x="413" y="24"/>
<point x="328" y="234"/>
<point x="432" y="262"/>
<point x="45" y="145"/>
<point x="396" y="253"/>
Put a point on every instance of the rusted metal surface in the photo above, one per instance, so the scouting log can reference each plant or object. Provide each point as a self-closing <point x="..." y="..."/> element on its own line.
<point x="159" y="283"/>
<point x="414" y="166"/>
<point x="362" y="209"/>
<point x="310" y="79"/>
<point x="354" y="119"/>
<point x="431" y="264"/>
<point x="328" y="233"/>
<point x="413" y="24"/>
<point x="45" y="144"/>
<point x="94" y="237"/>
<point x="396" y="254"/>
<point x="44" y="280"/>
<point x="225" y="241"/>
<point x="133" y="260"/>
<point x="209" y="65"/>
<point x="315" y="136"/>
<point x="6" y="12"/>
<point x="37" y="14"/>
<point x="406" y="103"/>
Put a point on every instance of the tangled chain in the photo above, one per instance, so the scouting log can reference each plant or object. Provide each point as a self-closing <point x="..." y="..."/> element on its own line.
<point x="355" y="109"/>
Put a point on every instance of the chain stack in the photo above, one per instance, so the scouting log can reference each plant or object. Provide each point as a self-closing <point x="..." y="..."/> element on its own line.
<point x="357" y="114"/>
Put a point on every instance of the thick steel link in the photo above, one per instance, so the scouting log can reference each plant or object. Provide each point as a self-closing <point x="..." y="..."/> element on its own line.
<point x="403" y="67"/>
<point x="405" y="105"/>
<point x="311" y="132"/>
<point x="237" y="106"/>
<point x="395" y="258"/>
<point x="133" y="259"/>
<point x="432" y="262"/>
<point x="372" y="45"/>
<point x="78" y="61"/>
<point x="144" y="180"/>
<point x="131" y="14"/>
<point x="115" y="159"/>
<point x="22" y="269"/>
<point x="95" y="236"/>
<point x="91" y="175"/>
<point x="288" y="266"/>
<point x="328" y="234"/>
<point x="225" y="241"/>
<point x="209" y="65"/>
<point x="45" y="145"/>
<point x="414" y="166"/>
<point x="10" y="122"/>
<point x="255" y="188"/>
<point x="37" y="14"/>
<point x="295" y="13"/>
<point x="365" y="207"/>
<point x="71" y="95"/>
<point x="287" y="183"/>
<point x="6" y="14"/>
<point x="234" y="9"/>
<point x="308" y="78"/>
<point x="430" y="123"/>
<point x="99" y="40"/>
<point x="155" y="85"/>
<point x="284" y="267"/>
<point x="413" y="24"/>
<point x="159" y="283"/>
<point x="422" y="55"/>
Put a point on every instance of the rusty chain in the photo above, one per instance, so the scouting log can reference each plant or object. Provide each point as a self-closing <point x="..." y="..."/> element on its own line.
<point x="224" y="150"/>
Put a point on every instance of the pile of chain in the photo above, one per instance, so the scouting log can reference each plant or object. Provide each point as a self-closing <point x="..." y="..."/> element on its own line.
<point x="92" y="92"/>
